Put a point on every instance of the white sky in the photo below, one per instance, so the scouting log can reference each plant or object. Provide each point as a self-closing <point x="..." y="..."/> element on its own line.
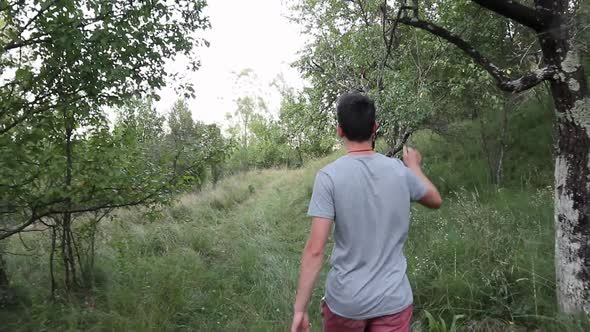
<point x="244" y="34"/>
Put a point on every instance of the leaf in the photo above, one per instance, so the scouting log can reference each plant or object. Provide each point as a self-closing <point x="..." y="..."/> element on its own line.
<point x="23" y="75"/>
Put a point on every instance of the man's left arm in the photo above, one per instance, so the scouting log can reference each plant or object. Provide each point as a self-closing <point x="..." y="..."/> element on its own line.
<point x="312" y="260"/>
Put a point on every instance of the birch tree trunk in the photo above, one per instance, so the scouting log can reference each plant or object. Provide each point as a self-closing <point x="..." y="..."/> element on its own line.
<point x="572" y="166"/>
<point x="572" y="192"/>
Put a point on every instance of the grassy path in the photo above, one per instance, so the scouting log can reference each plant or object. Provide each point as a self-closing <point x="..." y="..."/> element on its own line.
<point x="223" y="260"/>
<point x="233" y="267"/>
<point x="263" y="240"/>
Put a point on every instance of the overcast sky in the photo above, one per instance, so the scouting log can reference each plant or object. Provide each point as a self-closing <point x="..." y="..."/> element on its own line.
<point x="245" y="34"/>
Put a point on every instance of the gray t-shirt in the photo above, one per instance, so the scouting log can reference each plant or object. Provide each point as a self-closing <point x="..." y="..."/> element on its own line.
<point x="369" y="198"/>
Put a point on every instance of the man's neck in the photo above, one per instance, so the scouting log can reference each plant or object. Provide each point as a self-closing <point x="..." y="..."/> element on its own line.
<point x="359" y="148"/>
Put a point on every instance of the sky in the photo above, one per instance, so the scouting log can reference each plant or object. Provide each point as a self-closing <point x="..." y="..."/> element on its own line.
<point x="253" y="34"/>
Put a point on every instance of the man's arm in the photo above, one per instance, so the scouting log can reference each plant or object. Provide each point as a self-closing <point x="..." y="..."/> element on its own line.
<point x="413" y="161"/>
<point x="311" y="261"/>
<point x="432" y="198"/>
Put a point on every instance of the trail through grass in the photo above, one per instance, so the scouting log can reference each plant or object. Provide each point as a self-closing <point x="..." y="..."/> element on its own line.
<point x="221" y="260"/>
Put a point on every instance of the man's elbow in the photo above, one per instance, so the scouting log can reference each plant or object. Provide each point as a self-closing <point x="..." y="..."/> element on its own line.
<point x="437" y="203"/>
<point x="432" y="200"/>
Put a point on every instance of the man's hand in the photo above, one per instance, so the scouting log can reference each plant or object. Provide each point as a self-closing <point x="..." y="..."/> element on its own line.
<point x="413" y="160"/>
<point x="300" y="322"/>
<point x="412" y="157"/>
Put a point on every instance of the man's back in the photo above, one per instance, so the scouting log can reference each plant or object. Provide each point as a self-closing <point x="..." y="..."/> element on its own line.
<point x="368" y="197"/>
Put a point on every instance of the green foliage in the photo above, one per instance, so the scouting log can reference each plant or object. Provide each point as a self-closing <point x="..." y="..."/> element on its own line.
<point x="456" y="160"/>
<point x="267" y="146"/>
<point x="88" y="53"/>
<point x="201" y="148"/>
<point x="309" y="132"/>
<point x="227" y="259"/>
<point x="63" y="62"/>
<point x="417" y="81"/>
<point x="261" y="140"/>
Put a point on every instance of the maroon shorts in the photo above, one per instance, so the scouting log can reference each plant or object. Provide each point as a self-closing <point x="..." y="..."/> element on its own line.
<point x="399" y="322"/>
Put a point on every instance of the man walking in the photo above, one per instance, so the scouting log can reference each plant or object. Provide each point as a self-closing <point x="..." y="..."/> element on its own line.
<point x="366" y="196"/>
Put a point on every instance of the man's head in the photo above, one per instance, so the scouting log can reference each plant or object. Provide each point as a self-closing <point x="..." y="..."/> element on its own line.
<point x="356" y="117"/>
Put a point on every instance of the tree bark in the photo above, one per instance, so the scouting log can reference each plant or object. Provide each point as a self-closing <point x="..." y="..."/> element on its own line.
<point x="52" y="261"/>
<point x="68" y="257"/>
<point x="572" y="163"/>
<point x="572" y="204"/>
<point x="503" y="143"/>
<point x="3" y="282"/>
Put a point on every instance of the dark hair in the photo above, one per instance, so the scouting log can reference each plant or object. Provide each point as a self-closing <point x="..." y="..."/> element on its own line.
<point x="356" y="116"/>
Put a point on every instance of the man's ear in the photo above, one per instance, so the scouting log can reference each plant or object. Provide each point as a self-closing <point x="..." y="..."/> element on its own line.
<point x="340" y="131"/>
<point x="375" y="127"/>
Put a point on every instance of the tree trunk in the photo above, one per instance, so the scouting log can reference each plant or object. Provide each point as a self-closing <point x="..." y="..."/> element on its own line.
<point x="572" y="209"/>
<point x="67" y="244"/>
<point x="486" y="150"/>
<point x="572" y="165"/>
<point x="503" y="144"/>
<point x="3" y="282"/>
<point x="52" y="260"/>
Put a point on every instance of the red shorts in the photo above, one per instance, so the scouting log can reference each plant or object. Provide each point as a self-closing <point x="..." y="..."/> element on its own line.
<point x="399" y="322"/>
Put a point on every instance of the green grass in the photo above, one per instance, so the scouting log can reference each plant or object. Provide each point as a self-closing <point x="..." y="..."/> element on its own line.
<point x="227" y="259"/>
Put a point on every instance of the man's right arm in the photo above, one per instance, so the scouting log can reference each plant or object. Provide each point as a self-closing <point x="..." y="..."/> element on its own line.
<point x="413" y="161"/>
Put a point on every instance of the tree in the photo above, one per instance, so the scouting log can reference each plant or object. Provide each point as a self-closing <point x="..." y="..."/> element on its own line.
<point x="557" y="50"/>
<point x="200" y="144"/>
<point x="348" y="53"/>
<point x="413" y="77"/>
<point x="309" y="132"/>
<point x="3" y="282"/>
<point x="561" y="66"/>
<point x="96" y="53"/>
<point x="268" y="146"/>
<point x="249" y="105"/>
<point x="63" y="61"/>
<point x="140" y="118"/>
<point x="246" y="108"/>
<point x="218" y="151"/>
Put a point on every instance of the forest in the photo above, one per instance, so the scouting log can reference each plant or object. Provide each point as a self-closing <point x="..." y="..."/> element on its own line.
<point x="118" y="215"/>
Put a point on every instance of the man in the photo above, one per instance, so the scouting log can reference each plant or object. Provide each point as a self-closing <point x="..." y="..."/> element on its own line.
<point x="366" y="196"/>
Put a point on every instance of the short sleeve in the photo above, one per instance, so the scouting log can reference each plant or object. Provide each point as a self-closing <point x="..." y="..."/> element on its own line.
<point x="416" y="186"/>
<point x="322" y="198"/>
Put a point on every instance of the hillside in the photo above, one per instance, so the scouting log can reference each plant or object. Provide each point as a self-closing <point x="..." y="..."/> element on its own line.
<point x="226" y="259"/>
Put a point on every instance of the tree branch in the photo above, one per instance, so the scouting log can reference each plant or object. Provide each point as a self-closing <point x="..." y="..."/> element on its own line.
<point x="536" y="19"/>
<point x="529" y="80"/>
<point x="364" y="15"/>
<point x="44" y="8"/>
<point x="4" y="233"/>
<point x="48" y="36"/>
<point x="388" y="42"/>
<point x="503" y="80"/>
<point x="18" y="44"/>
<point x="396" y="148"/>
